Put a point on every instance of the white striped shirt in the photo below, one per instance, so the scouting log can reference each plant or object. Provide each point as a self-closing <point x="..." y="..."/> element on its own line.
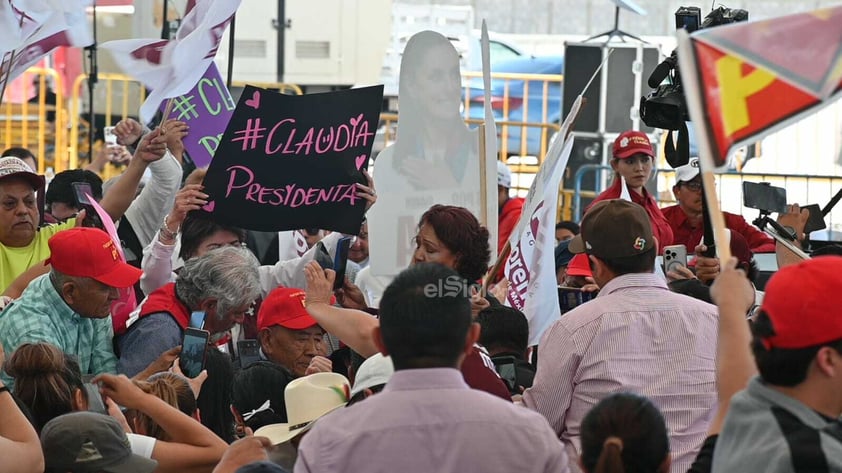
<point x="635" y="336"/>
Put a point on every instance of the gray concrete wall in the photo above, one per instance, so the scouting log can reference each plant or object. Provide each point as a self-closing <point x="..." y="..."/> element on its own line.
<point x="591" y="17"/>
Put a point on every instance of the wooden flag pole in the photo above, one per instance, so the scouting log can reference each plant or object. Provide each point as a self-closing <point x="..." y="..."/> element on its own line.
<point x="167" y="110"/>
<point x="483" y="174"/>
<point x="501" y="258"/>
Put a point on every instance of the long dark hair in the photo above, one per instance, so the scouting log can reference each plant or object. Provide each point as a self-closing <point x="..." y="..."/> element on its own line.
<point x="624" y="433"/>
<point x="215" y="396"/>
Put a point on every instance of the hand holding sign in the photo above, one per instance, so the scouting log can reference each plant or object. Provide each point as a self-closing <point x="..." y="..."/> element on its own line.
<point x="289" y="162"/>
<point x="367" y="192"/>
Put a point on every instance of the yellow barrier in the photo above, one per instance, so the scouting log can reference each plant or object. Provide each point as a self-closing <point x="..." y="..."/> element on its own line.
<point x="505" y="122"/>
<point x="25" y="124"/>
<point x="389" y="122"/>
<point x="125" y="108"/>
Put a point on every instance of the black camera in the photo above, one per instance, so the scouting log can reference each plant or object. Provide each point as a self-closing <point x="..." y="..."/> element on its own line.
<point x="665" y="107"/>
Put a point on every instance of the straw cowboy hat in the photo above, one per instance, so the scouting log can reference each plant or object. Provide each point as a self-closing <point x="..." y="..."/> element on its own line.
<point x="307" y="399"/>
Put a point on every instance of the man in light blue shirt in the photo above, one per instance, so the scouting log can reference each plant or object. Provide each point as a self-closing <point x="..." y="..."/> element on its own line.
<point x="70" y="307"/>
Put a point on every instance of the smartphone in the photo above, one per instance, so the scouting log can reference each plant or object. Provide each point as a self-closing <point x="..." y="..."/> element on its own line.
<point x="110" y="136"/>
<point x="674" y="256"/>
<point x="322" y="256"/>
<point x="249" y="351"/>
<point x="763" y="196"/>
<point x="340" y="262"/>
<point x="81" y="191"/>
<point x="506" y="368"/>
<point x="572" y="297"/>
<point x="194" y="348"/>
<point x="95" y="401"/>
<point x="197" y="319"/>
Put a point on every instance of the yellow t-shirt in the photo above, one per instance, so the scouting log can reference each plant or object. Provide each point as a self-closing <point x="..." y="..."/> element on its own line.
<point x="15" y="261"/>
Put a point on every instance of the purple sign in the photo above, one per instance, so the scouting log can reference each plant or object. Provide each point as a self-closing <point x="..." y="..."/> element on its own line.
<point x="206" y="109"/>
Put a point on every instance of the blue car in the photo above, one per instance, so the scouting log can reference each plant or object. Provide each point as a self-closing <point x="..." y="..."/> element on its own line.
<point x="536" y="102"/>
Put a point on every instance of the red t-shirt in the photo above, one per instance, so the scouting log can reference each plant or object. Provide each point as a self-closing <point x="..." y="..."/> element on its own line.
<point x="480" y="376"/>
<point x="689" y="236"/>
<point x="660" y="226"/>
<point x="509" y="215"/>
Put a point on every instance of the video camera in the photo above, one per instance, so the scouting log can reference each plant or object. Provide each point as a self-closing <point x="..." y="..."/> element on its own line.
<point x="665" y="107"/>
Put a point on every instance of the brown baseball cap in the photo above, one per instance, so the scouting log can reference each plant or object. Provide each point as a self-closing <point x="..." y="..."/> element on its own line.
<point x="614" y="228"/>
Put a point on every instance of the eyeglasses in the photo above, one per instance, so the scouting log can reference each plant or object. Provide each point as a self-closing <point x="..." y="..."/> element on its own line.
<point x="692" y="185"/>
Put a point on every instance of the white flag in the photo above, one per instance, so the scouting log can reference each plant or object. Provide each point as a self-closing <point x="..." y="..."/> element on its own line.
<point x="291" y="245"/>
<point x="172" y="68"/>
<point x="33" y="28"/>
<point x="624" y="189"/>
<point x="530" y="267"/>
<point x="67" y="25"/>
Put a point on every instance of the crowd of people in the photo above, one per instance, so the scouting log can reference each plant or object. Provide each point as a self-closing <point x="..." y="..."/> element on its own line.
<point x="187" y="347"/>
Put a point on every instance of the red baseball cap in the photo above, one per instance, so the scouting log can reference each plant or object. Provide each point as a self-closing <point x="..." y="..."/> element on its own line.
<point x="800" y="304"/>
<point x="579" y="266"/>
<point x="90" y="253"/>
<point x="632" y="142"/>
<point x="285" y="306"/>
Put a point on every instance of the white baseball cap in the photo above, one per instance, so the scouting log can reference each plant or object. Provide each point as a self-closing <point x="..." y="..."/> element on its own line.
<point x="688" y="171"/>
<point x="504" y="175"/>
<point x="374" y="371"/>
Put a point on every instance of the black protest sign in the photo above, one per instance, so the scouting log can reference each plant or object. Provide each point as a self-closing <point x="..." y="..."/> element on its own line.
<point x="287" y="162"/>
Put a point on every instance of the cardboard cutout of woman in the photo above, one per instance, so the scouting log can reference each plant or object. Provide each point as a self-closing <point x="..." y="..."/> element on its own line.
<point x="435" y="158"/>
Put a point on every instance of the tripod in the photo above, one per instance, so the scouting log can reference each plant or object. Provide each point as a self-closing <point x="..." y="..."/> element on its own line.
<point x="616" y="31"/>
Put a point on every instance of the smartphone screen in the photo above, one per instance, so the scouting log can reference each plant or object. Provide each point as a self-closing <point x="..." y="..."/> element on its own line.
<point x="110" y="137"/>
<point x="83" y="194"/>
<point x="193" y="350"/>
<point x="322" y="256"/>
<point x="764" y="197"/>
<point x="506" y="369"/>
<point x="340" y="263"/>
<point x="249" y="351"/>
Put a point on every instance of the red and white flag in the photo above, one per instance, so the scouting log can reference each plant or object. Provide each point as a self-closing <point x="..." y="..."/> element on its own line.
<point x="172" y="68"/>
<point x="530" y="267"/>
<point x="33" y="28"/>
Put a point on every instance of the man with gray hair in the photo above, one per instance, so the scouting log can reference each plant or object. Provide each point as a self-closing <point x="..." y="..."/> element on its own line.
<point x="221" y="285"/>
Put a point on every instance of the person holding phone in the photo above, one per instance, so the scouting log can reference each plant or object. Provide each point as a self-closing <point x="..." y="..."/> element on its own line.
<point x="685" y="218"/>
<point x="222" y="284"/>
<point x="606" y="344"/>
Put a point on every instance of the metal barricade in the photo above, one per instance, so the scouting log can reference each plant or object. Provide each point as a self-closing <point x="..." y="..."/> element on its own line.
<point x="578" y="193"/>
<point x="26" y="124"/>
<point x="517" y="136"/>
<point x="129" y="89"/>
<point x="388" y="131"/>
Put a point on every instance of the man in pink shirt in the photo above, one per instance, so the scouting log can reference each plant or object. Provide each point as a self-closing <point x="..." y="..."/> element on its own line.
<point x="634" y="336"/>
<point x="427" y="419"/>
